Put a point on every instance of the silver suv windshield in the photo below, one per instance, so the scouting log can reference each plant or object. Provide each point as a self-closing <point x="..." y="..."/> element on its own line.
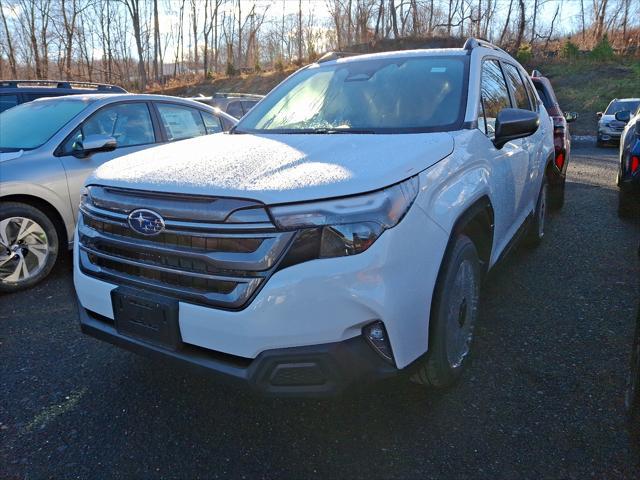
<point x="32" y="124"/>
<point x="622" y="105"/>
<point x="381" y="95"/>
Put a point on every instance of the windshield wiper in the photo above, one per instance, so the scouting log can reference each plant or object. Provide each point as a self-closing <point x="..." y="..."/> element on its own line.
<point x="330" y="131"/>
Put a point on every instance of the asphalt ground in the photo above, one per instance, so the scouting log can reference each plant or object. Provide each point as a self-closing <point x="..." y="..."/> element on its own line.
<point x="543" y="397"/>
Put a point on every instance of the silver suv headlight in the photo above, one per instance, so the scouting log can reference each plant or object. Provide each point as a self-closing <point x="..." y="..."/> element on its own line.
<point x="344" y="226"/>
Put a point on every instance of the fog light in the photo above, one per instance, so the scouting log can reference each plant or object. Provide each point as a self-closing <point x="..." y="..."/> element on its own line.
<point x="376" y="335"/>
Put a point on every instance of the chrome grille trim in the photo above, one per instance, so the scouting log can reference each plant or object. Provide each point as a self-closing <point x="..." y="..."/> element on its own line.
<point x="218" y="264"/>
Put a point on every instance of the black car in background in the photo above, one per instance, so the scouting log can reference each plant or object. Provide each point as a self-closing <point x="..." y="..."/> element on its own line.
<point x="556" y="175"/>
<point x="235" y="104"/>
<point x="628" y="178"/>
<point x="15" y="92"/>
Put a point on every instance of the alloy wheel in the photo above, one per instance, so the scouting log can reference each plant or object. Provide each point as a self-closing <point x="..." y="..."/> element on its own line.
<point x="462" y="314"/>
<point x="24" y="249"/>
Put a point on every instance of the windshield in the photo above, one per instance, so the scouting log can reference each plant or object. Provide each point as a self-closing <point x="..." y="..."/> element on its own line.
<point x="32" y="124"/>
<point x="622" y="105"/>
<point x="388" y="95"/>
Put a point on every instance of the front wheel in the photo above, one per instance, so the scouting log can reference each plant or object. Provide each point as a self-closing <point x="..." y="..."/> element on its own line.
<point x="454" y="312"/>
<point x="28" y="246"/>
<point x="535" y="232"/>
<point x="556" y="196"/>
<point x="626" y="203"/>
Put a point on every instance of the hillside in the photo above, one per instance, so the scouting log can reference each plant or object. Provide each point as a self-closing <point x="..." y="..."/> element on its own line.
<point x="582" y="85"/>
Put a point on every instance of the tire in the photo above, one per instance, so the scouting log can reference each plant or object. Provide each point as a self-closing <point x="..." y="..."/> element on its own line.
<point x="599" y="142"/>
<point x="535" y="232"/>
<point x="626" y="203"/>
<point x="454" y="312"/>
<point x="556" y="196"/>
<point x="632" y="393"/>
<point x="28" y="246"/>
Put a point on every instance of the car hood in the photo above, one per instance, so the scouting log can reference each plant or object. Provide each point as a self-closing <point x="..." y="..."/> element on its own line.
<point x="277" y="168"/>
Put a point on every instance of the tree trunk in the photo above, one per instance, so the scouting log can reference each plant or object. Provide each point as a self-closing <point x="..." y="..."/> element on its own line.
<point x="194" y="17"/>
<point x="521" y="26"/>
<point x="601" y="13"/>
<point x="506" y="24"/>
<point x="10" y="50"/>
<point x="394" y="18"/>
<point x="300" y="32"/>
<point x="156" y="41"/>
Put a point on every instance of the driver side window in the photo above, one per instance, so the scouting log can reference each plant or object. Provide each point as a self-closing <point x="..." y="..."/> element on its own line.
<point x="129" y="123"/>
<point x="494" y="96"/>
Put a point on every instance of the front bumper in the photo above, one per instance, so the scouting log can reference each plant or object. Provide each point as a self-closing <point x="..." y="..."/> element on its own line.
<point x="314" y="370"/>
<point x="319" y="302"/>
<point x="606" y="134"/>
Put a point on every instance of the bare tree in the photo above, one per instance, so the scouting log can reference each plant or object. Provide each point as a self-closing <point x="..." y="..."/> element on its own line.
<point x="10" y="49"/>
<point x="133" y="7"/>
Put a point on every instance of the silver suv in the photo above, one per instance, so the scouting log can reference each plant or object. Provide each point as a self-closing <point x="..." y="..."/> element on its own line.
<point x="49" y="146"/>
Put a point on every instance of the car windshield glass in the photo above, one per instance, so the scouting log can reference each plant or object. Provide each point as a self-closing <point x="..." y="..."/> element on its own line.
<point x="622" y="105"/>
<point x="32" y="124"/>
<point x="382" y="95"/>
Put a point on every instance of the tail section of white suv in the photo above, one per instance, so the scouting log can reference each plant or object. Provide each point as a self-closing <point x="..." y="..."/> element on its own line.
<point x="338" y="235"/>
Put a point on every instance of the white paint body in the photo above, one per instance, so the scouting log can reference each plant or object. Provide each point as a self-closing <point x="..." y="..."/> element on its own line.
<point x="329" y="300"/>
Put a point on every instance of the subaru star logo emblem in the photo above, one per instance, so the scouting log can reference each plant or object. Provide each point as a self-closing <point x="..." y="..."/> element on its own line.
<point x="146" y="222"/>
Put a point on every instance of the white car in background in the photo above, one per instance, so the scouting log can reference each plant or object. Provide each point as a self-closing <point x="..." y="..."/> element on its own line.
<point x="609" y="128"/>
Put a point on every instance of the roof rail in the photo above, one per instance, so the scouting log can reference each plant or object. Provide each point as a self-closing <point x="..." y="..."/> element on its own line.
<point x="327" y="57"/>
<point x="237" y="94"/>
<point x="102" y="87"/>
<point x="536" y="73"/>
<point x="472" y="43"/>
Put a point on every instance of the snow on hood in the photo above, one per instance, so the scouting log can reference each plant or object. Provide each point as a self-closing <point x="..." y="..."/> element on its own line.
<point x="277" y="168"/>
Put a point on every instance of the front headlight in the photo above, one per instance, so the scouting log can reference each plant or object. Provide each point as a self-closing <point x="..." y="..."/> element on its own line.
<point x="344" y="226"/>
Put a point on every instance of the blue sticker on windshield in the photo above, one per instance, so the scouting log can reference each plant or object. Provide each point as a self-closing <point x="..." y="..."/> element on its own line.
<point x="438" y="69"/>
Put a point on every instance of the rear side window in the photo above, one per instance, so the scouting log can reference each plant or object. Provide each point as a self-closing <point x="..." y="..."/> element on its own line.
<point x="129" y="123"/>
<point x="8" y="101"/>
<point x="235" y="109"/>
<point x="494" y="95"/>
<point x="211" y="123"/>
<point x="181" y="122"/>
<point x="248" y="105"/>
<point x="517" y="87"/>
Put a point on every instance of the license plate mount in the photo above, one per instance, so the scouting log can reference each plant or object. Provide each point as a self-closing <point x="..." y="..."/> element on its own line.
<point x="146" y="316"/>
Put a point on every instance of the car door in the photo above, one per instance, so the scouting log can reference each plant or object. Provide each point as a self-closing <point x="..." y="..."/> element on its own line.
<point x="508" y="164"/>
<point x="526" y="197"/>
<point x="128" y="122"/>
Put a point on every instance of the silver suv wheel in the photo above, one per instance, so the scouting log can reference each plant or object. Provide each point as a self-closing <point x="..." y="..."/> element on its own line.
<point x="28" y="246"/>
<point x="25" y="249"/>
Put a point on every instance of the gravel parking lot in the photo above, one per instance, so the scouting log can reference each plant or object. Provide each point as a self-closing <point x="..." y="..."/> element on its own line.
<point x="543" y="397"/>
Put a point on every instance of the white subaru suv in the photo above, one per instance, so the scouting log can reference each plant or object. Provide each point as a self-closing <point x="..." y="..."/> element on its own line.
<point x="339" y="234"/>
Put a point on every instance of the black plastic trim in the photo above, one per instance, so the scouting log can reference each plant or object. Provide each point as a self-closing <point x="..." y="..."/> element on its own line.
<point x="343" y="365"/>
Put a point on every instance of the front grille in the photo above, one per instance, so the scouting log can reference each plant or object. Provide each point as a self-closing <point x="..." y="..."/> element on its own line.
<point x="202" y="258"/>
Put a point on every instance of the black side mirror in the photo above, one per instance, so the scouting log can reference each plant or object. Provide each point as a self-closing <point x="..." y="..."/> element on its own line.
<point x="623" y="116"/>
<point x="93" y="144"/>
<point x="570" y="116"/>
<point x="599" y="115"/>
<point x="514" y="123"/>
